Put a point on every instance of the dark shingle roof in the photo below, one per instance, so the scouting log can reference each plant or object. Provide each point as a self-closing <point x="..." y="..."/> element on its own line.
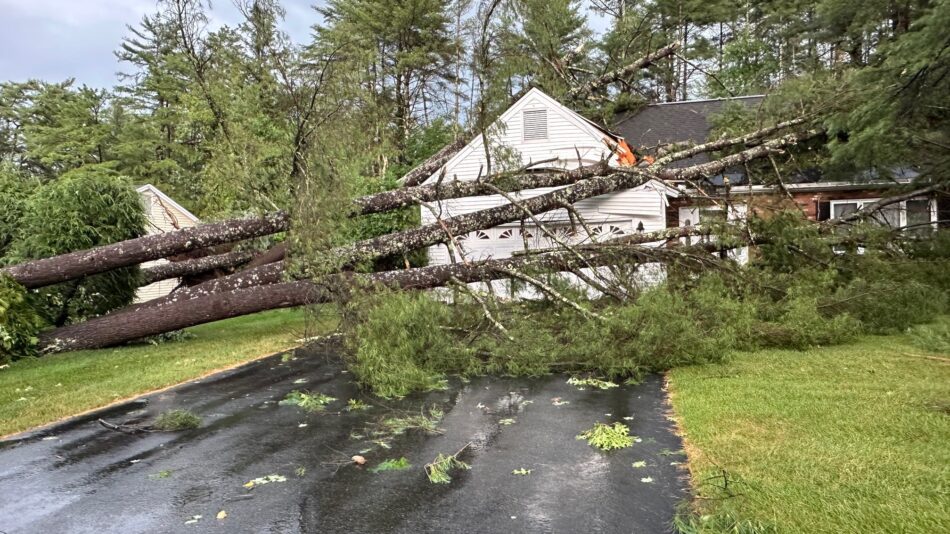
<point x="675" y="122"/>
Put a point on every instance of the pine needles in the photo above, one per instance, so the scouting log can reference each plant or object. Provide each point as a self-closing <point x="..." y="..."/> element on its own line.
<point x="438" y="470"/>
<point x="311" y="402"/>
<point x="608" y="437"/>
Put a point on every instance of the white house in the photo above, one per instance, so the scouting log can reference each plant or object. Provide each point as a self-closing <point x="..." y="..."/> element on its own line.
<point x="537" y="128"/>
<point x="162" y="215"/>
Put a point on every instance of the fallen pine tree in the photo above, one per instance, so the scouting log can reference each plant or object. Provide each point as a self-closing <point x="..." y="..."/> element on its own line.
<point x="206" y="296"/>
<point x="74" y="265"/>
<point x="116" y="328"/>
<point x="65" y="267"/>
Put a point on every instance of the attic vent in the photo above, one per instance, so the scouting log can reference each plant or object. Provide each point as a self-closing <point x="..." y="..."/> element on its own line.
<point x="535" y="124"/>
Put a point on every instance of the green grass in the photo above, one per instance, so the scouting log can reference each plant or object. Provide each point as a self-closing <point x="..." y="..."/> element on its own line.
<point x="851" y="438"/>
<point x="66" y="384"/>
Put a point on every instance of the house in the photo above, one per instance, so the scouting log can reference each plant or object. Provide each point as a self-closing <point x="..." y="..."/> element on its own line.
<point x="537" y="128"/>
<point x="162" y="215"/>
<point x="819" y="199"/>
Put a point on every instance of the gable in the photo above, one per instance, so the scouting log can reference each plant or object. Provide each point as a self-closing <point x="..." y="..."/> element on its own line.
<point x="162" y="213"/>
<point x="536" y="128"/>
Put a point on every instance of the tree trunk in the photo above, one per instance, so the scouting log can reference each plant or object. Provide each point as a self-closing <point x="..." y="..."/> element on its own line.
<point x="114" y="329"/>
<point x="178" y="269"/>
<point x="425" y="169"/>
<point x="435" y="233"/>
<point x="622" y="73"/>
<point x="48" y="271"/>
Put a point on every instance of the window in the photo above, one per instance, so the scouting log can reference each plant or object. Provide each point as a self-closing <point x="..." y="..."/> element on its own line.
<point x="535" y="124"/>
<point x="843" y="209"/>
<point x="916" y="211"/>
<point x="506" y="234"/>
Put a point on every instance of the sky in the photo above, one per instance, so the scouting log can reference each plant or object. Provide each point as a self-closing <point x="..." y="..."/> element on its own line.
<point x="54" y="40"/>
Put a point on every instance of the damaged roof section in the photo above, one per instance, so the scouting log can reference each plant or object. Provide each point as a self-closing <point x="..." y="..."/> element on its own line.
<point x="676" y="122"/>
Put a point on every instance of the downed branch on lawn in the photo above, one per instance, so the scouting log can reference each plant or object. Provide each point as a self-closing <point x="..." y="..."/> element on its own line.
<point x="116" y="328"/>
<point x="56" y="269"/>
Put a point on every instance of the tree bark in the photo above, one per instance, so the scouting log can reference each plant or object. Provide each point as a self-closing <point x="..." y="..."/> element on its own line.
<point x="48" y="271"/>
<point x="623" y="72"/>
<point x="114" y="329"/>
<point x="425" y="169"/>
<point x="178" y="269"/>
<point x="410" y="196"/>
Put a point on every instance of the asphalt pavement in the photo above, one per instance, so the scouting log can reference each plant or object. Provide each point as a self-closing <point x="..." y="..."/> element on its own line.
<point x="81" y="477"/>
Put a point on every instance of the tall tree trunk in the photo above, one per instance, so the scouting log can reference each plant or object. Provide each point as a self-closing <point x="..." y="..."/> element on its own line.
<point x="114" y="329"/>
<point x="178" y="269"/>
<point x="48" y="271"/>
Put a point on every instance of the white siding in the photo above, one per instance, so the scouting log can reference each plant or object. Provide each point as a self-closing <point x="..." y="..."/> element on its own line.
<point x="162" y="215"/>
<point x="566" y="136"/>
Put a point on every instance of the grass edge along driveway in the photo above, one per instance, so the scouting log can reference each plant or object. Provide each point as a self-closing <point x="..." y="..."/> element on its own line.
<point x="38" y="391"/>
<point x="851" y="438"/>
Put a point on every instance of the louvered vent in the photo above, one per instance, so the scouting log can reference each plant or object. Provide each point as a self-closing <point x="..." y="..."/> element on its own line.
<point x="535" y="124"/>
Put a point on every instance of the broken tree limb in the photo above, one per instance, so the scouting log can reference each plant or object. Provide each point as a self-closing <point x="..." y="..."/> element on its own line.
<point x="441" y="231"/>
<point x="48" y="271"/>
<point x="872" y="208"/>
<point x="720" y="144"/>
<point x="667" y="234"/>
<point x="114" y="329"/>
<point x="622" y="73"/>
<point x="435" y="161"/>
<point x="408" y="196"/>
<point x="275" y="253"/>
<point x="178" y="269"/>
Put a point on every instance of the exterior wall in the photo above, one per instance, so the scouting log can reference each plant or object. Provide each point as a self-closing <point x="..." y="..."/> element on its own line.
<point x="816" y="205"/>
<point x="162" y="216"/>
<point x="568" y="136"/>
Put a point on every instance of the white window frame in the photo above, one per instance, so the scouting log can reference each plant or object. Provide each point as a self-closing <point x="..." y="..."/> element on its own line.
<point x="902" y="207"/>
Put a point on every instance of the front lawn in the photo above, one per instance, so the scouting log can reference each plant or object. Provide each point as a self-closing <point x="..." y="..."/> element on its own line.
<point x="37" y="391"/>
<point x="854" y="438"/>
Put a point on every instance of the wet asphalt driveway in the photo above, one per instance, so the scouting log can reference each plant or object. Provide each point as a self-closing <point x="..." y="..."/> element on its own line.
<point x="80" y="477"/>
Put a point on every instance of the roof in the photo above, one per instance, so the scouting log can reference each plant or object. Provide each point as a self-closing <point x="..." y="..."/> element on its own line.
<point x="594" y="130"/>
<point x="167" y="199"/>
<point x="676" y="122"/>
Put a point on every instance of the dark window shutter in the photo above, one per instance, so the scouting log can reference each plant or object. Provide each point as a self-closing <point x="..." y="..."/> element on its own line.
<point x="823" y="213"/>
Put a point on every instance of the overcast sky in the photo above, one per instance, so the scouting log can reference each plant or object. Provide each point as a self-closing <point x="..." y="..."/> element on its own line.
<point x="58" y="39"/>
<point x="54" y="40"/>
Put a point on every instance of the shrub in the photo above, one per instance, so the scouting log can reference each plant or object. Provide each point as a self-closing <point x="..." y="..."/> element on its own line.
<point x="14" y="190"/>
<point x="83" y="209"/>
<point x="19" y="322"/>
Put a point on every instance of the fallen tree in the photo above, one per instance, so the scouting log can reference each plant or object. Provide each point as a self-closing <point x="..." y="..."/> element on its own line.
<point x="178" y="269"/>
<point x="74" y="265"/>
<point x="443" y="231"/>
<point x="623" y="72"/>
<point x="48" y="271"/>
<point x="206" y="300"/>
<point x="114" y="329"/>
